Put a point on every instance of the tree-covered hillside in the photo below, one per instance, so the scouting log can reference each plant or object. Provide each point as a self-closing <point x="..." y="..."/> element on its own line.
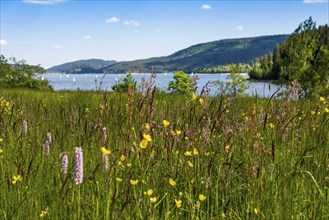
<point x="82" y="66"/>
<point x="204" y="55"/>
<point x="303" y="57"/>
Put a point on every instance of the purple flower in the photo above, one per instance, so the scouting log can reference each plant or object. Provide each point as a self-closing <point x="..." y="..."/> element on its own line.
<point x="104" y="135"/>
<point x="78" y="167"/>
<point x="49" y="137"/>
<point x="47" y="147"/>
<point x="25" y="127"/>
<point x="65" y="161"/>
<point x="105" y="162"/>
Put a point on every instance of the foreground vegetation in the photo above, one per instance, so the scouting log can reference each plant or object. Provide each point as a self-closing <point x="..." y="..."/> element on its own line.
<point x="88" y="155"/>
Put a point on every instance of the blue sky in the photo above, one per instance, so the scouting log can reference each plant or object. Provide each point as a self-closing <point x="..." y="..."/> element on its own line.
<point x="51" y="32"/>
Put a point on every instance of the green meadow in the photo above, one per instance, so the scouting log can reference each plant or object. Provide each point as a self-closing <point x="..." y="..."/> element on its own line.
<point x="162" y="156"/>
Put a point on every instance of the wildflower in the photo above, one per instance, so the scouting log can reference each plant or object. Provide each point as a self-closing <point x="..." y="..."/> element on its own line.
<point x="105" y="161"/>
<point x="1" y="139"/>
<point x="322" y="99"/>
<point x="87" y="111"/>
<point x="172" y="182"/>
<point x="190" y="164"/>
<point x="188" y="153"/>
<point x="178" y="203"/>
<point x="326" y="110"/>
<point x="153" y="199"/>
<point x="149" y="192"/>
<point x="65" y="161"/>
<point x="180" y="193"/>
<point x="147" y="137"/>
<point x="313" y="112"/>
<point x="43" y="213"/>
<point x="25" y="127"/>
<point x="223" y="215"/>
<point x="122" y="158"/>
<point x="227" y="111"/>
<point x="201" y="101"/>
<point x="16" y="178"/>
<point x="133" y="182"/>
<point x="104" y="135"/>
<point x="49" y="137"/>
<point x="194" y="96"/>
<point x="78" y="167"/>
<point x="256" y="211"/>
<point x="195" y="151"/>
<point x="178" y="132"/>
<point x="105" y="151"/>
<point x="143" y="144"/>
<point x="1" y="151"/>
<point x="129" y="164"/>
<point x="165" y="123"/>
<point x="118" y="179"/>
<point x="147" y="126"/>
<point x="202" y="197"/>
<point x="271" y="125"/>
<point x="227" y="147"/>
<point x="47" y="147"/>
<point x="206" y="154"/>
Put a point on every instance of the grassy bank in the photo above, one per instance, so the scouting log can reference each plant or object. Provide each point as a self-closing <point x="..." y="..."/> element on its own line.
<point x="167" y="156"/>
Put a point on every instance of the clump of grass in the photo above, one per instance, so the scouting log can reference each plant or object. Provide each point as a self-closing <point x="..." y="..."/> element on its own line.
<point x="162" y="156"/>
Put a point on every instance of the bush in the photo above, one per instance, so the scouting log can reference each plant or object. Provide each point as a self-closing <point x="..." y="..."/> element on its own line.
<point x="183" y="84"/>
<point x="124" y="84"/>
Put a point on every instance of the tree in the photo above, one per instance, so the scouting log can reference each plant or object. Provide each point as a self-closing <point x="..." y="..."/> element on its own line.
<point x="182" y="85"/>
<point x="19" y="74"/>
<point x="124" y="84"/>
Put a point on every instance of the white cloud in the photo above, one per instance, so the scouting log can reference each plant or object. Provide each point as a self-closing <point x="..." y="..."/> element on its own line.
<point x="3" y="42"/>
<point x="57" y="47"/>
<point x="44" y="2"/>
<point x="314" y="1"/>
<point x="87" y="37"/>
<point x="205" y="7"/>
<point x="238" y="28"/>
<point x="112" y="20"/>
<point x="131" y="23"/>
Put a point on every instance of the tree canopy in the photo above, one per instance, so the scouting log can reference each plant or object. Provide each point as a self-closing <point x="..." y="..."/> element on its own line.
<point x="304" y="57"/>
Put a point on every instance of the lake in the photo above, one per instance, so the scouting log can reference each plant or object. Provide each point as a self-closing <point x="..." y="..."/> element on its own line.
<point x="103" y="82"/>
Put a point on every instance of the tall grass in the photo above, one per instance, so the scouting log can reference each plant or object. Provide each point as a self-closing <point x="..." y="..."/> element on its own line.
<point x="250" y="158"/>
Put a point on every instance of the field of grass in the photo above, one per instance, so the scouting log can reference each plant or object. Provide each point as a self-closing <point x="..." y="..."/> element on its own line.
<point x="160" y="156"/>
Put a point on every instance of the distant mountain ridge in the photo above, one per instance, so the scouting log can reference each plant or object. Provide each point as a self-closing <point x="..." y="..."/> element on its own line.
<point x="82" y="66"/>
<point x="215" y="53"/>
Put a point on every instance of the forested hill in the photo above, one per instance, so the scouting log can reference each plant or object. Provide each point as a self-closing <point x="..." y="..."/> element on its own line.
<point x="215" y="53"/>
<point x="82" y="66"/>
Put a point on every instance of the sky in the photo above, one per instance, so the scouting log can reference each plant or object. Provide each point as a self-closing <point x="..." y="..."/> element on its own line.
<point x="52" y="32"/>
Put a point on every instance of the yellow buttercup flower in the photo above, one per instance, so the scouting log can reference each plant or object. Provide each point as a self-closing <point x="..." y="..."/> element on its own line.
<point x="147" y="126"/>
<point x="201" y="101"/>
<point x="326" y="110"/>
<point x="190" y="164"/>
<point x="172" y="182"/>
<point x="271" y="125"/>
<point x="256" y="211"/>
<point x="129" y="164"/>
<point x="16" y="178"/>
<point x="322" y="99"/>
<point x="195" y="151"/>
<point x="149" y="192"/>
<point x="165" y="123"/>
<point x="188" y="153"/>
<point x="178" y="203"/>
<point x="143" y="144"/>
<point x="153" y="199"/>
<point x="194" y="96"/>
<point x="118" y="179"/>
<point x="178" y="132"/>
<point x="133" y="182"/>
<point x="147" y="137"/>
<point x="43" y="214"/>
<point x="122" y="158"/>
<point x="202" y="197"/>
<point x="105" y="151"/>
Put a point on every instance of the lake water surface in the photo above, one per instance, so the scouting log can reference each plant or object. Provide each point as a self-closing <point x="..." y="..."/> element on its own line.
<point x="103" y="82"/>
